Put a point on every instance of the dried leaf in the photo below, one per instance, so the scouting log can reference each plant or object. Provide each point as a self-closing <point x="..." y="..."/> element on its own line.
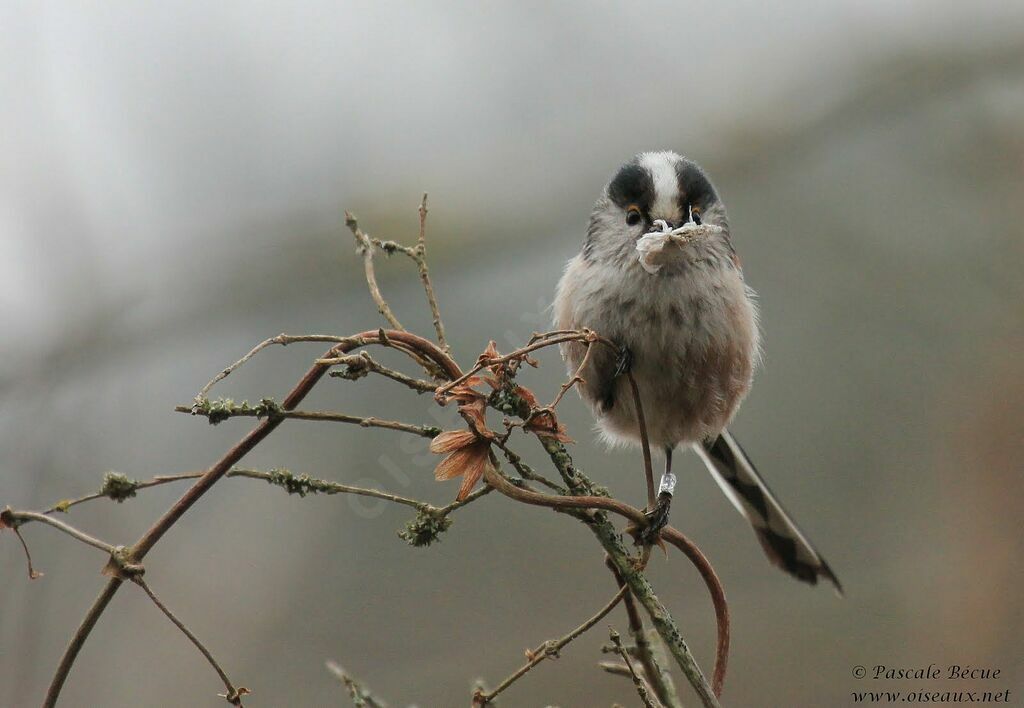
<point x="451" y="440"/>
<point x="458" y="462"/>
<point x="475" y="413"/>
<point x="527" y="396"/>
<point x="490" y="353"/>
<point x="475" y="471"/>
<point x="468" y="462"/>
<point x="547" y="426"/>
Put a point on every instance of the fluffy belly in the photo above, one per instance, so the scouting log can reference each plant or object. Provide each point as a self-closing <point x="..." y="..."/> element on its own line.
<point x="694" y="343"/>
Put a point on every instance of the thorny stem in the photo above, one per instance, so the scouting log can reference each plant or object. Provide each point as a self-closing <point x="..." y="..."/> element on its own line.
<point x="323" y="416"/>
<point x="546" y="650"/>
<point x="641" y="687"/>
<point x="233" y="695"/>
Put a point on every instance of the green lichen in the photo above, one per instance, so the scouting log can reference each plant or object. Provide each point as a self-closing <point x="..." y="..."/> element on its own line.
<point x="219" y="410"/>
<point x="118" y="487"/>
<point x="301" y="484"/>
<point x="425" y="528"/>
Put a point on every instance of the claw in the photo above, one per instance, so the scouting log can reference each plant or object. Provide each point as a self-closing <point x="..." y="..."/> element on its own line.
<point x="657" y="519"/>
<point x="624" y="362"/>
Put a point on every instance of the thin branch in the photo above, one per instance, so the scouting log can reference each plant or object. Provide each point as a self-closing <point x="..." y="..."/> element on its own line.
<point x="153" y="535"/>
<point x="524" y="470"/>
<point x="418" y="254"/>
<point x="658" y="677"/>
<point x="232" y="695"/>
<point x="366" y="249"/>
<point x="548" y="649"/>
<point x="641" y="687"/>
<point x="361" y="364"/>
<point x="428" y="288"/>
<point x="12" y="518"/>
<point x="614" y="668"/>
<point x="576" y="378"/>
<point x="33" y="574"/>
<point x="641" y="588"/>
<point x="714" y="586"/>
<point x="67" y="659"/>
<point x="538" y="341"/>
<point x="652" y="496"/>
<point x="361" y="697"/>
<point x="626" y="565"/>
<point x="217" y="411"/>
<point x="293" y="484"/>
<point x="282" y="339"/>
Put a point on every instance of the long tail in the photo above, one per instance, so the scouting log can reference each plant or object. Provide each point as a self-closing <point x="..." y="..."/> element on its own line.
<point x="780" y="537"/>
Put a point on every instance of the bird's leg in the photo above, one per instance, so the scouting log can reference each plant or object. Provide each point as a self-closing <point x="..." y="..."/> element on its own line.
<point x="623" y="361"/>
<point x="657" y="518"/>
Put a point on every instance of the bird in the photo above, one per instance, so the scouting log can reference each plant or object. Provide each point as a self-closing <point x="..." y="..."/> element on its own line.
<point x="685" y="326"/>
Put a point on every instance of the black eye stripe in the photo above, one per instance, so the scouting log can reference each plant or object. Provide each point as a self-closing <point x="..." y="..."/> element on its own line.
<point x="695" y="189"/>
<point x="634" y="186"/>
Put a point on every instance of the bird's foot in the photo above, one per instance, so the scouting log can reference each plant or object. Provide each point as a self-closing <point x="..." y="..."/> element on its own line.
<point x="657" y="519"/>
<point x="624" y="361"/>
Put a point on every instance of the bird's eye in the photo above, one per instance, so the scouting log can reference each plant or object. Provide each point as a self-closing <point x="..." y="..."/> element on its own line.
<point x="695" y="216"/>
<point x="633" y="216"/>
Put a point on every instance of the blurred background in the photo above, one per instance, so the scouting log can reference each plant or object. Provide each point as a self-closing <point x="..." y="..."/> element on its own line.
<point x="171" y="192"/>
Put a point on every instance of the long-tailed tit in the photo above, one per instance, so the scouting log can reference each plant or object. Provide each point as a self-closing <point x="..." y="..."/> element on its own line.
<point x="658" y="275"/>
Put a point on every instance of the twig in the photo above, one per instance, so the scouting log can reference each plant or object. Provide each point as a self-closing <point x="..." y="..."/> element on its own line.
<point x="418" y="254"/>
<point x="576" y="378"/>
<point x="641" y="588"/>
<point x="614" y="668"/>
<point x="428" y="288"/>
<point x="361" y="697"/>
<point x="641" y="687"/>
<point x="658" y="677"/>
<point x="714" y="585"/>
<point x="12" y="518"/>
<point x="282" y="339"/>
<point x="232" y="695"/>
<point x="538" y="341"/>
<point x="293" y="484"/>
<point x="361" y="364"/>
<point x="624" y="563"/>
<point x="215" y="473"/>
<point x="227" y="409"/>
<point x="33" y="574"/>
<point x="546" y="650"/>
<point x="366" y="249"/>
<point x="652" y="496"/>
<point x="524" y="470"/>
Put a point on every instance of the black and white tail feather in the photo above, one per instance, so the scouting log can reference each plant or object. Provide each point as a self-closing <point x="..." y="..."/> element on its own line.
<point x="783" y="542"/>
